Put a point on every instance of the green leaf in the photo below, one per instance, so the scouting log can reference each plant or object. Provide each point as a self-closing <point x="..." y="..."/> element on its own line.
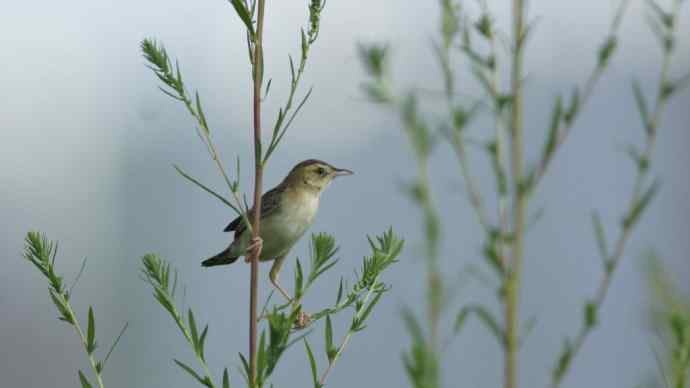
<point x="552" y="138"/>
<point x="261" y="356"/>
<point x="485" y="317"/>
<point x="245" y="364"/>
<point x="243" y="13"/>
<point x="330" y="348"/>
<point x="206" y="189"/>
<point x="305" y="45"/>
<point x="112" y="347"/>
<point x="640" y="206"/>
<point x="61" y="305"/>
<point x="200" y="112"/>
<point x="202" y="341"/>
<point x="642" y="106"/>
<point x="226" y="378"/>
<point x="91" y="333"/>
<point x="84" y="381"/>
<point x="601" y="238"/>
<point x="299" y="279"/>
<point x="192" y="372"/>
<point x="268" y="88"/>
<point x="571" y="112"/>
<point x="192" y="329"/>
<point x="563" y="361"/>
<point x="340" y="292"/>
<point x="365" y="314"/>
<point x="292" y="69"/>
<point x="606" y="50"/>
<point x="312" y="364"/>
<point x="491" y="254"/>
<point x="590" y="315"/>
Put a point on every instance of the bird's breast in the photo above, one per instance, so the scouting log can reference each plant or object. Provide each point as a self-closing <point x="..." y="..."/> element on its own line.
<point x="299" y="210"/>
<point x="282" y="230"/>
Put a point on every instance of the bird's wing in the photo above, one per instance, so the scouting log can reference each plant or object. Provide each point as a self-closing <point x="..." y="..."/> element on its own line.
<point x="270" y="202"/>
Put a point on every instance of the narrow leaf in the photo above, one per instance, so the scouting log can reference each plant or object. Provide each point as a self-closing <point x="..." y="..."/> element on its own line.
<point x="601" y="238"/>
<point x="552" y="138"/>
<point x="340" y="292"/>
<point x="640" y="206"/>
<point x="590" y="315"/>
<point x="91" y="333"/>
<point x="243" y="13"/>
<point x="226" y="378"/>
<point x="205" y="188"/>
<point x="485" y="317"/>
<point x="191" y="372"/>
<point x="330" y="348"/>
<point x="84" y="381"/>
<point x="200" y="112"/>
<point x="202" y="341"/>
<point x="192" y="329"/>
<point x="642" y="105"/>
<point x="110" y="351"/>
<point x="312" y="363"/>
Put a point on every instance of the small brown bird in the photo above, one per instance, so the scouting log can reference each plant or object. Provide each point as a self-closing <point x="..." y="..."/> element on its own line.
<point x="287" y="211"/>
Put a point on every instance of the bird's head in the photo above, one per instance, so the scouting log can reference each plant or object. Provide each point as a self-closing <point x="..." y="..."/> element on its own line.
<point x="314" y="174"/>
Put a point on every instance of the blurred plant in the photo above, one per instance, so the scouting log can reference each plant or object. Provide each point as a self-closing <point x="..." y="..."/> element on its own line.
<point x="670" y="317"/>
<point x="475" y="39"/>
<point x="42" y="253"/>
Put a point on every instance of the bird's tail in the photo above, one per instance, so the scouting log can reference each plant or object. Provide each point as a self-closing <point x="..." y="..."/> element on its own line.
<point x="220" y="259"/>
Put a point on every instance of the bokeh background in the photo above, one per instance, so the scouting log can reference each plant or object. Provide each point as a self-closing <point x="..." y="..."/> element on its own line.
<point x="87" y="145"/>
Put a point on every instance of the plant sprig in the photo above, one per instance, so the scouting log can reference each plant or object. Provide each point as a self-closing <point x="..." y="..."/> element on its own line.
<point x="159" y="274"/>
<point x="286" y="114"/>
<point x="642" y="193"/>
<point x="41" y="252"/>
<point x="171" y="76"/>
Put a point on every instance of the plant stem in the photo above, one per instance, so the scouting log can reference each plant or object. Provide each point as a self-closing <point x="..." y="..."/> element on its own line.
<point x="331" y="364"/>
<point x="520" y="200"/>
<point x="499" y="120"/>
<point x="588" y="89"/>
<point x="637" y="194"/>
<point x="349" y="334"/>
<point x="258" y="177"/>
<point x="79" y="331"/>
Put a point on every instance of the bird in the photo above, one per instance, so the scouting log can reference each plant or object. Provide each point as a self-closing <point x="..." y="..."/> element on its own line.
<point x="287" y="211"/>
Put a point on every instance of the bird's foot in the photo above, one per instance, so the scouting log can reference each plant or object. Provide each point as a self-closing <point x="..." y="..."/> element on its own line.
<point x="303" y="320"/>
<point x="254" y="249"/>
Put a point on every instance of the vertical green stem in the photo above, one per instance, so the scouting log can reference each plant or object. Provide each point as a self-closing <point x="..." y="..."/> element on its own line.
<point x="520" y="200"/>
<point x="258" y="177"/>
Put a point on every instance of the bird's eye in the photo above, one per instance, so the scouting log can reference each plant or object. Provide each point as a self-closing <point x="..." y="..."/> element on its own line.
<point x="321" y="171"/>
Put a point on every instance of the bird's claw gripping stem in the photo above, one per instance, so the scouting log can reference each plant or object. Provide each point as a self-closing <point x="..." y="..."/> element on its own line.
<point x="303" y="320"/>
<point x="254" y="249"/>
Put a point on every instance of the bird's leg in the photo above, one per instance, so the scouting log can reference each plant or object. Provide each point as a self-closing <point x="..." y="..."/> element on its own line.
<point x="254" y="248"/>
<point x="277" y="264"/>
<point x="304" y="319"/>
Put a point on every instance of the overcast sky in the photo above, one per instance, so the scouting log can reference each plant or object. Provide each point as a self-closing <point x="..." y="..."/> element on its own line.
<point x="87" y="144"/>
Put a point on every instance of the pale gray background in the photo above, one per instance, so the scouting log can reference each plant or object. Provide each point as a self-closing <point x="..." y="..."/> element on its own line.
<point x="87" y="143"/>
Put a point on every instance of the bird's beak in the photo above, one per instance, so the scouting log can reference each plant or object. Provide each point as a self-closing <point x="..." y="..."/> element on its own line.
<point x="342" y="172"/>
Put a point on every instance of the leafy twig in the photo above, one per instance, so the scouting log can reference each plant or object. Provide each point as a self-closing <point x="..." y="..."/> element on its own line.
<point x="639" y="201"/>
<point x="42" y="253"/>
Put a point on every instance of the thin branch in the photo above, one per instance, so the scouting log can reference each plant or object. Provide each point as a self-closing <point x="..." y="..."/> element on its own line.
<point x="258" y="177"/>
<point x="639" y="199"/>
<point x="519" y="202"/>
<point x="579" y="101"/>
